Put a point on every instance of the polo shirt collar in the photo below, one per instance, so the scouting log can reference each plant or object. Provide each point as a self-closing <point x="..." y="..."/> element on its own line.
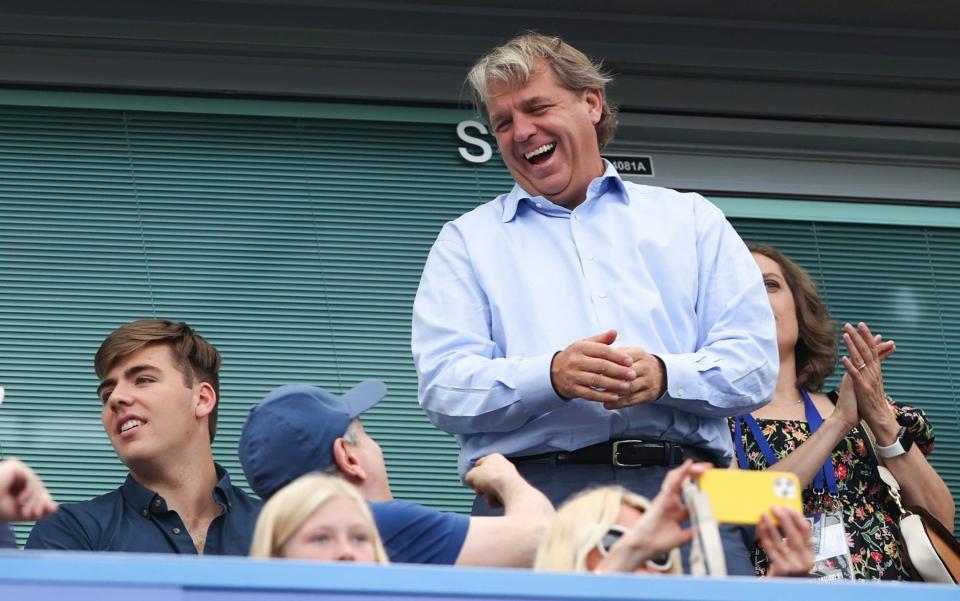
<point x="146" y="501"/>
<point x="609" y="181"/>
<point x="224" y="493"/>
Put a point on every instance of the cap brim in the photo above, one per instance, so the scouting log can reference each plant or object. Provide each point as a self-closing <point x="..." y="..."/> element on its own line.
<point x="363" y="396"/>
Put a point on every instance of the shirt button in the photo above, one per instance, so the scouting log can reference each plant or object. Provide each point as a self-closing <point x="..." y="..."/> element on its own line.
<point x="602" y="294"/>
<point x="577" y="217"/>
<point x="146" y="513"/>
<point x="589" y="256"/>
<point x="157" y="503"/>
<point x="539" y="205"/>
<point x="680" y="391"/>
<point x="176" y="531"/>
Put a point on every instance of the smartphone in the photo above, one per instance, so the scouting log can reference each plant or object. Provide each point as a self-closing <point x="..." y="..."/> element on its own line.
<point x="742" y="496"/>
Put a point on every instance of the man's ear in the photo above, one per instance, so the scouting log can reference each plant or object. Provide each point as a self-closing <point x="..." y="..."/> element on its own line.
<point x="348" y="462"/>
<point x="206" y="400"/>
<point x="594" y="100"/>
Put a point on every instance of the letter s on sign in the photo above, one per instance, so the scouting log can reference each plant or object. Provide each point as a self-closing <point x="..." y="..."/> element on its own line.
<point x="486" y="151"/>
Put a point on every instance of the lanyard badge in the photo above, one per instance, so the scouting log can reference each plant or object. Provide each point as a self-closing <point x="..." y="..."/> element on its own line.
<point x="832" y="559"/>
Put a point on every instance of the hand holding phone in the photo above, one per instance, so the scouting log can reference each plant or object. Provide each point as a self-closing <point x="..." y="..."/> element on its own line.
<point x="742" y="496"/>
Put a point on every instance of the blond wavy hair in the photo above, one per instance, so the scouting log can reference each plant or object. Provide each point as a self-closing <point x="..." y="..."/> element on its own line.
<point x="289" y="508"/>
<point x="580" y="524"/>
<point x="519" y="59"/>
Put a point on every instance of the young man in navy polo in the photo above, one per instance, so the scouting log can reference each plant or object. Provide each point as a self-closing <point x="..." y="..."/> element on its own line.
<point x="159" y="384"/>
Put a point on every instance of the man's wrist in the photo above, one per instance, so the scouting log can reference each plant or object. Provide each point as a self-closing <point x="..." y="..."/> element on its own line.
<point x="552" y="383"/>
<point x="663" y="377"/>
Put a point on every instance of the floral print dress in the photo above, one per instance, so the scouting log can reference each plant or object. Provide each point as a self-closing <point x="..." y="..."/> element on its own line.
<point x="870" y="516"/>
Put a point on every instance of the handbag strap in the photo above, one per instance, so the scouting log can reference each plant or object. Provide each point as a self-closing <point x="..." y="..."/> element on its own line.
<point x="893" y="487"/>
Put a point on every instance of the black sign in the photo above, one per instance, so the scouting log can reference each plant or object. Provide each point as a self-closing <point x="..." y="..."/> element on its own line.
<point x="634" y="165"/>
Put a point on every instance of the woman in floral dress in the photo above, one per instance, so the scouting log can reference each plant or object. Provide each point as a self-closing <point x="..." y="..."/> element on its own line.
<point x="822" y="440"/>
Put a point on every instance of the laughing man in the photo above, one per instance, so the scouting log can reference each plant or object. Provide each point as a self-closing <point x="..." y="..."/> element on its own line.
<point x="593" y="330"/>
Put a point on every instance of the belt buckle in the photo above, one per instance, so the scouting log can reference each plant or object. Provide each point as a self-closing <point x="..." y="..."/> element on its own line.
<point x="616" y="454"/>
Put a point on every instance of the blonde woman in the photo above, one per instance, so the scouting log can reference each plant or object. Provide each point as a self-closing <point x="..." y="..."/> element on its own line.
<point x="610" y="529"/>
<point x="318" y="517"/>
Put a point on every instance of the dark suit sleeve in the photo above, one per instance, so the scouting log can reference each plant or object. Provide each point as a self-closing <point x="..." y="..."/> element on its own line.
<point x="60" y="531"/>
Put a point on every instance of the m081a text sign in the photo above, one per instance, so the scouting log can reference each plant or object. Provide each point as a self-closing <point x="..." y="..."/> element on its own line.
<point x="632" y="165"/>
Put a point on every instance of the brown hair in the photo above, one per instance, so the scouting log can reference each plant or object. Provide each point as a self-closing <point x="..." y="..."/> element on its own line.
<point x="194" y="356"/>
<point x="517" y="60"/>
<point x="816" y="349"/>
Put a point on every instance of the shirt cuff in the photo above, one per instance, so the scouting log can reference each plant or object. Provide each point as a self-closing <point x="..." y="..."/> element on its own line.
<point x="683" y="381"/>
<point x="534" y="386"/>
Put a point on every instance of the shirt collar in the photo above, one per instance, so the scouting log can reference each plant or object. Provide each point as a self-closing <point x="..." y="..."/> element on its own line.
<point x="609" y="181"/>
<point x="223" y="492"/>
<point x="146" y="501"/>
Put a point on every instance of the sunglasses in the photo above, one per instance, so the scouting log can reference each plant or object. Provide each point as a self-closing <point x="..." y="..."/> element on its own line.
<point x="658" y="563"/>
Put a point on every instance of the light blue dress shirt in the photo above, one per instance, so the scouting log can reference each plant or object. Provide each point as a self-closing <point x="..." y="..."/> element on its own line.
<point x="517" y="279"/>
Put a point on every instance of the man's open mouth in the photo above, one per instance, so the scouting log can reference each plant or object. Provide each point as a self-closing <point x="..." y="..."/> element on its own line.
<point x="130" y="424"/>
<point x="540" y="154"/>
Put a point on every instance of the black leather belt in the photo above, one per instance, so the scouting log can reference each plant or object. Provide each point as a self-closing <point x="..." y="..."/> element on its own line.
<point x="619" y="453"/>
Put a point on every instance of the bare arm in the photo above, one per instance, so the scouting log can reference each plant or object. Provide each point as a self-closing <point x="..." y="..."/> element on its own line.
<point x="807" y="459"/>
<point x="920" y="483"/>
<point x="511" y="540"/>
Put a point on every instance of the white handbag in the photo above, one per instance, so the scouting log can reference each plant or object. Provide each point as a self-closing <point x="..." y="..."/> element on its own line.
<point x="928" y="548"/>
<point x="931" y="550"/>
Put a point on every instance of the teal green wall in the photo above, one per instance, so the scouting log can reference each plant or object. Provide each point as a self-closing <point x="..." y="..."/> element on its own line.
<point x="292" y="236"/>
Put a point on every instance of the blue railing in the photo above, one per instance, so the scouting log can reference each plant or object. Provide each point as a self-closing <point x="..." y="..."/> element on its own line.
<point x="108" y="577"/>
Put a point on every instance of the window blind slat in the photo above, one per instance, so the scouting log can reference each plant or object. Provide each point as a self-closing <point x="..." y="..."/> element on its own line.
<point x="296" y="246"/>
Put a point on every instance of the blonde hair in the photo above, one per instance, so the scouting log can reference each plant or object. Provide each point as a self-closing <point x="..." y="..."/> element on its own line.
<point x="516" y="61"/>
<point x="580" y="524"/>
<point x="289" y="508"/>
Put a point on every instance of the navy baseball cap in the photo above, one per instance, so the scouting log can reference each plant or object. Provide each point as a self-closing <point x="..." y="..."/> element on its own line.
<point x="292" y="430"/>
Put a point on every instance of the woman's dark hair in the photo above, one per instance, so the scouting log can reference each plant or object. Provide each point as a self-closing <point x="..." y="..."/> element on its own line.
<point x="816" y="349"/>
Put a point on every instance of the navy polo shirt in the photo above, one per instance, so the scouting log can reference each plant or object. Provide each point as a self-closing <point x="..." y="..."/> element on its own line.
<point x="135" y="519"/>
<point x="416" y="534"/>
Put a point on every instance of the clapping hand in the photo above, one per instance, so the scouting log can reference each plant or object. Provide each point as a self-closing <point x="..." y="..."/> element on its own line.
<point x="865" y="351"/>
<point x="650" y="383"/>
<point x="592" y="369"/>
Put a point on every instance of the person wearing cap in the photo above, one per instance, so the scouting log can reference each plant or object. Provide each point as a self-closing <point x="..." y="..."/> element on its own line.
<point x="593" y="330"/>
<point x="159" y="384"/>
<point x="297" y="429"/>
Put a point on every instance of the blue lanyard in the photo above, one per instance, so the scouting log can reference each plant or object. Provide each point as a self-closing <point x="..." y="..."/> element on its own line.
<point x="824" y="475"/>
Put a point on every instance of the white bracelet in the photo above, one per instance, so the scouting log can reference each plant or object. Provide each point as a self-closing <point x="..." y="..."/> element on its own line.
<point x="894" y="450"/>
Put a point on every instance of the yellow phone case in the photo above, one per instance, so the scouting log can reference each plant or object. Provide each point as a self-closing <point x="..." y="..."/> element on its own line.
<point x="742" y="496"/>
